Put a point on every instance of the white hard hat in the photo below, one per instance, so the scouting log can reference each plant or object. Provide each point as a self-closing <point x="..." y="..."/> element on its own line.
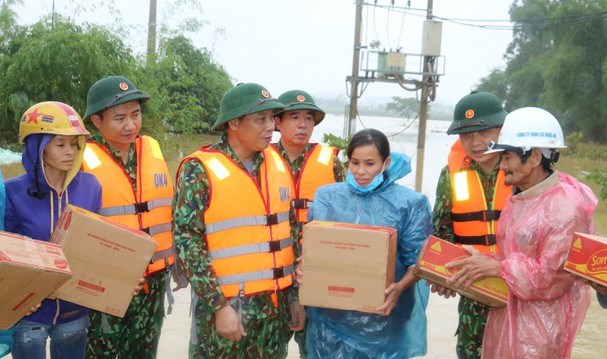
<point x="527" y="128"/>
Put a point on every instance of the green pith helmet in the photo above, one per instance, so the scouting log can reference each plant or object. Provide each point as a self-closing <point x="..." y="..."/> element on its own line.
<point x="244" y="99"/>
<point x="476" y="112"/>
<point x="301" y="100"/>
<point x="109" y="92"/>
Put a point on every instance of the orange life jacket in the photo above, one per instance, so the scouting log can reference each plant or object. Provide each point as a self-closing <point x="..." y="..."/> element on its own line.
<point x="316" y="171"/>
<point x="149" y="207"/>
<point x="474" y="222"/>
<point x="247" y="223"/>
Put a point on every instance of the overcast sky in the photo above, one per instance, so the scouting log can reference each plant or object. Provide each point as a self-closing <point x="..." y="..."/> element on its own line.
<point x="308" y="44"/>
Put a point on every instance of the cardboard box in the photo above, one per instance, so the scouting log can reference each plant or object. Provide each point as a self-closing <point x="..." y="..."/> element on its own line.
<point x="30" y="271"/>
<point x="107" y="259"/>
<point x="587" y="258"/>
<point x="347" y="266"/>
<point x="433" y="256"/>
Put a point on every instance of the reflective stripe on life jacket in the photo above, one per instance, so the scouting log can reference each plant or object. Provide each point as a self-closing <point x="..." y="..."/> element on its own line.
<point x="316" y="171"/>
<point x="247" y="224"/>
<point x="149" y="207"/>
<point x="474" y="222"/>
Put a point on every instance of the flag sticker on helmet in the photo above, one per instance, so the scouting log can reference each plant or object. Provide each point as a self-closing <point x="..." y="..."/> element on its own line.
<point x="301" y="98"/>
<point x="469" y="113"/>
<point x="265" y="93"/>
<point x="47" y="118"/>
<point x="123" y="86"/>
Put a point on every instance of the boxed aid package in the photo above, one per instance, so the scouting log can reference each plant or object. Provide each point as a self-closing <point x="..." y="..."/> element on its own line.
<point x="587" y="258"/>
<point x="433" y="256"/>
<point x="107" y="259"/>
<point x="347" y="266"/>
<point x="30" y="271"/>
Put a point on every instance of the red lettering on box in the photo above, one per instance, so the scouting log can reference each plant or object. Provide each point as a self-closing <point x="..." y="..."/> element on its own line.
<point x="333" y="288"/>
<point x="23" y="301"/>
<point x="91" y="286"/>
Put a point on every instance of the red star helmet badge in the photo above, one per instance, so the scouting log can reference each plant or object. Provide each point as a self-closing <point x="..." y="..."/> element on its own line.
<point x="33" y="116"/>
<point x="301" y="98"/>
<point x="469" y="114"/>
<point x="265" y="93"/>
<point x="123" y="86"/>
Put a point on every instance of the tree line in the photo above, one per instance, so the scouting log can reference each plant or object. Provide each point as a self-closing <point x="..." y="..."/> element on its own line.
<point x="57" y="59"/>
<point x="557" y="60"/>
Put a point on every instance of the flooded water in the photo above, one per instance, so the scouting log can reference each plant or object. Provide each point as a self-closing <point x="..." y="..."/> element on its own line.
<point x="442" y="313"/>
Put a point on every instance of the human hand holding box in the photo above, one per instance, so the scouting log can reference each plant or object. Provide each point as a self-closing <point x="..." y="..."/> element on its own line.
<point x="433" y="256"/>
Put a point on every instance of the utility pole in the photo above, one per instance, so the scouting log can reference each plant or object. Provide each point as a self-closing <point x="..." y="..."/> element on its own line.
<point x="151" y="54"/>
<point x="423" y="113"/>
<point x="353" y="112"/>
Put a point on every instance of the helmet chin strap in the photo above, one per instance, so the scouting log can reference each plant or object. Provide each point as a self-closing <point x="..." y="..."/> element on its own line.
<point x="35" y="191"/>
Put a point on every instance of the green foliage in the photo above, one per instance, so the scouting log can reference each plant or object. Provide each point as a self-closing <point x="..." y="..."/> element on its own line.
<point x="573" y="140"/>
<point x="557" y="60"/>
<point x="405" y="107"/>
<point x="189" y="84"/>
<point x="58" y="62"/>
<point x="495" y="83"/>
<point x="338" y="142"/>
<point x="58" y="59"/>
<point x="599" y="176"/>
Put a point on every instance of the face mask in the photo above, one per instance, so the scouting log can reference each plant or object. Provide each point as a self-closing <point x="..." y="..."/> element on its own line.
<point x="377" y="181"/>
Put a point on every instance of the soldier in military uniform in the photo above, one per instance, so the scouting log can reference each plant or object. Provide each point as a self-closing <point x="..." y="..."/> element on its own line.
<point x="469" y="197"/>
<point x="312" y="164"/>
<point x="235" y="232"/>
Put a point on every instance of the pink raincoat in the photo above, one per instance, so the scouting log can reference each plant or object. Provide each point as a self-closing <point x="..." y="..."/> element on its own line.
<point x="546" y="305"/>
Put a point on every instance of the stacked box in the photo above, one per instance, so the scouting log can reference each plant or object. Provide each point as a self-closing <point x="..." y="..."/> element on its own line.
<point x="30" y="271"/>
<point x="433" y="256"/>
<point x="107" y="259"/>
<point x="347" y="266"/>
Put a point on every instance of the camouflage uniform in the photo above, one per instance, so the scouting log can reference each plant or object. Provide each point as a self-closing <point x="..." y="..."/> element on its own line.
<point x="137" y="334"/>
<point x="338" y="175"/>
<point x="267" y="326"/>
<point x="472" y="314"/>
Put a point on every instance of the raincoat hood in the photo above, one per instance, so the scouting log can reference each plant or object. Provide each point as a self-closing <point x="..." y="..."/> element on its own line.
<point x="33" y="162"/>
<point x="400" y="166"/>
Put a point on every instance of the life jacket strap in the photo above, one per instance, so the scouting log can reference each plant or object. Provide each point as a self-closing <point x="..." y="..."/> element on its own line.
<point x="159" y="228"/>
<point x="262" y="220"/>
<point x="485" y="216"/>
<point x="485" y="240"/>
<point x="301" y="203"/>
<point x="265" y="247"/>
<point x="136" y="208"/>
<point x="274" y="273"/>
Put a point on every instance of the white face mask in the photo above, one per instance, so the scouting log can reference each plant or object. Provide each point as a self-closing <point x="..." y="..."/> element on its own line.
<point x="376" y="182"/>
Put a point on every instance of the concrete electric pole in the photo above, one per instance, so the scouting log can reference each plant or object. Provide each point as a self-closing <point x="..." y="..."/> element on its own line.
<point x="353" y="111"/>
<point x="423" y="113"/>
<point x="151" y="53"/>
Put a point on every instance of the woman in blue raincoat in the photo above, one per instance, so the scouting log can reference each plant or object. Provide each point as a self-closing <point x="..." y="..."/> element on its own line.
<point x="371" y="196"/>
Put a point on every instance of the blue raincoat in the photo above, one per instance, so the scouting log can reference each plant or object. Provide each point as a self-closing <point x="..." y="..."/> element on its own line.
<point x="402" y="334"/>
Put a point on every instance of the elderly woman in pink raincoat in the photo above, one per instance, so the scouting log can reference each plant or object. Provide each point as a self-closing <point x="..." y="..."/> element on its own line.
<point x="546" y="306"/>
